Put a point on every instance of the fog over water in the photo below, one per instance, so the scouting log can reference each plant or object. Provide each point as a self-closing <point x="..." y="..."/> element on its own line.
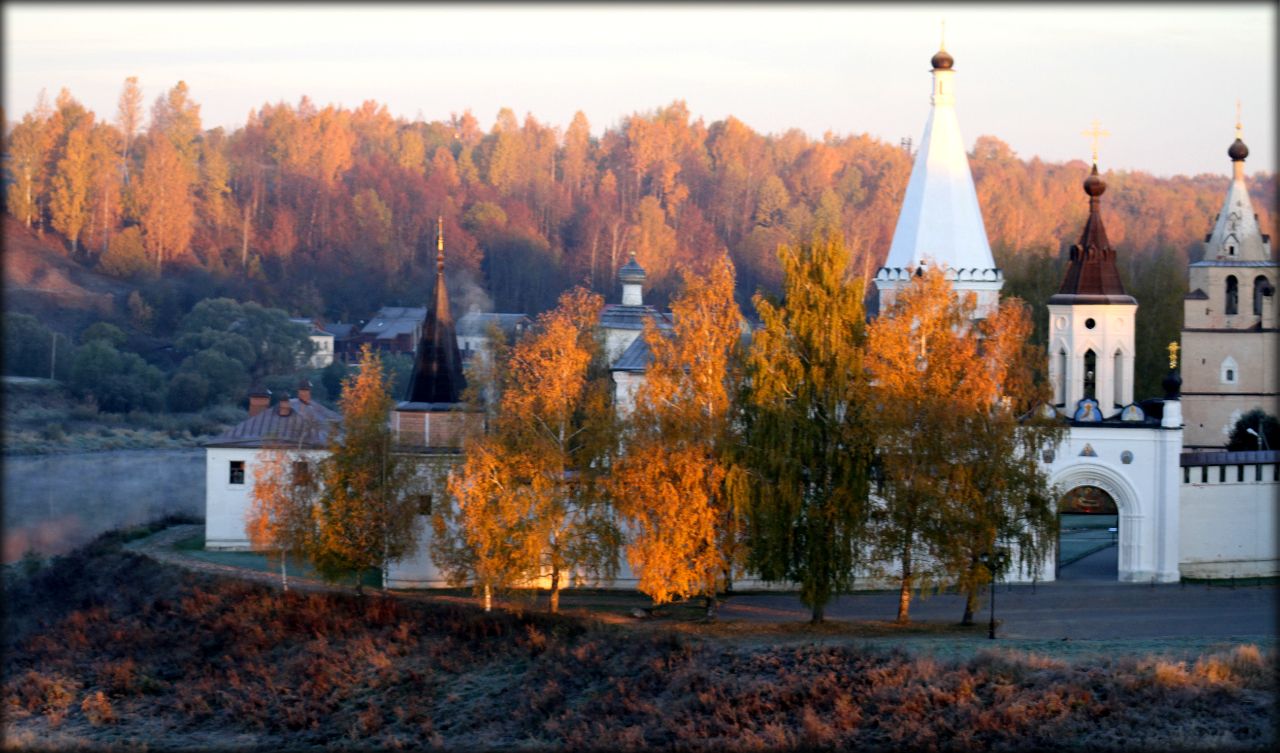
<point x="55" y="503"/>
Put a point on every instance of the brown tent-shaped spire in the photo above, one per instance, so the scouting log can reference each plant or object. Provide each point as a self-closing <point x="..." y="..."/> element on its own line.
<point x="437" y="366"/>
<point x="1092" y="276"/>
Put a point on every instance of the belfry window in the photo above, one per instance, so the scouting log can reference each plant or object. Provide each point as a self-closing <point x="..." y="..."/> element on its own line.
<point x="1090" y="375"/>
<point x="1259" y="288"/>
<point x="1117" y="381"/>
<point x="1233" y="296"/>
<point x="1062" y="377"/>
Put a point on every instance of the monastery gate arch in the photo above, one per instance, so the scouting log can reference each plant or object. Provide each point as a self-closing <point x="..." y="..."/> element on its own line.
<point x="1134" y="523"/>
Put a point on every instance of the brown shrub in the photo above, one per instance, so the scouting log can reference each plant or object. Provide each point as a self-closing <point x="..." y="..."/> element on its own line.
<point x="119" y="677"/>
<point x="97" y="709"/>
<point x="51" y="696"/>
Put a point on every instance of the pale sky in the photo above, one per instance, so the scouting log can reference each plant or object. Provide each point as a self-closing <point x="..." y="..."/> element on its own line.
<point x="1163" y="80"/>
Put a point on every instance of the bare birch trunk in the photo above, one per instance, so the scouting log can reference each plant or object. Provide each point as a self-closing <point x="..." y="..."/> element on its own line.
<point x="904" y="593"/>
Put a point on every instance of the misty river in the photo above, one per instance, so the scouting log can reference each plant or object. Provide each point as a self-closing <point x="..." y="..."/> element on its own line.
<point x="55" y="503"/>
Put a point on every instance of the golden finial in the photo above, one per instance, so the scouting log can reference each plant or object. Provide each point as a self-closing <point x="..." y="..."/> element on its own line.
<point x="1095" y="133"/>
<point x="1239" y="127"/>
<point x="1173" y="355"/>
<point x="943" y="44"/>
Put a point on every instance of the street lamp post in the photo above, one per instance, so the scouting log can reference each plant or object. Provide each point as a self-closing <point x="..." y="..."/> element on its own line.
<point x="993" y="561"/>
<point x="1262" y="441"/>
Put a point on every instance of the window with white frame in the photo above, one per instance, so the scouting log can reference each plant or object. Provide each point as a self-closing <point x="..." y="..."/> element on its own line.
<point x="1229" y="373"/>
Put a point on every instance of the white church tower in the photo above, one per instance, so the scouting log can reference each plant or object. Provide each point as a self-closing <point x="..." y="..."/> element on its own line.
<point x="1230" y="331"/>
<point x="941" y="223"/>
<point x="1091" y="322"/>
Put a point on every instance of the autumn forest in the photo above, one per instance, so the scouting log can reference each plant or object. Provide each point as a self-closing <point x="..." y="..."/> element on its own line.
<point x="331" y="211"/>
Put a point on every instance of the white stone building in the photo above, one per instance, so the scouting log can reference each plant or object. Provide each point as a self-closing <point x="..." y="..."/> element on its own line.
<point x="321" y="343"/>
<point x="232" y="458"/>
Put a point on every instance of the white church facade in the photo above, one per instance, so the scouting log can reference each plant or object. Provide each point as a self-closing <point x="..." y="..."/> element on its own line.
<point x="1179" y="514"/>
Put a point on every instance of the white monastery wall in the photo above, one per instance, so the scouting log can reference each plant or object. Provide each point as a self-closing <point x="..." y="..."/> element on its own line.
<point x="1230" y="521"/>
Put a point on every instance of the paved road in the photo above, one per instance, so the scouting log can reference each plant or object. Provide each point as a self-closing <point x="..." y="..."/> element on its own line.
<point x="1085" y="604"/>
<point x="1079" y="607"/>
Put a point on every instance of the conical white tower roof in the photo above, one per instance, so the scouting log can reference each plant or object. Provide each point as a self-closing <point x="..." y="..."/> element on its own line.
<point x="1236" y="235"/>
<point x="941" y="223"/>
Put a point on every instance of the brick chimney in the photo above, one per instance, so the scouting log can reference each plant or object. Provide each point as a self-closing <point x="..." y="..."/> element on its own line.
<point x="304" y="391"/>
<point x="259" y="400"/>
<point x="283" y="408"/>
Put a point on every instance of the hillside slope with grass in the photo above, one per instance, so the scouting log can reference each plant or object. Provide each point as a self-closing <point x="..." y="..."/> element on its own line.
<point x="41" y="279"/>
<point x="109" y="648"/>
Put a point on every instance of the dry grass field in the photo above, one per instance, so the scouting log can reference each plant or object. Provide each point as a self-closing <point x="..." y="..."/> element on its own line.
<point x="110" y="650"/>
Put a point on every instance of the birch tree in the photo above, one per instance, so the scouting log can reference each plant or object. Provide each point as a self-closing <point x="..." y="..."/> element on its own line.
<point x="806" y="419"/>
<point x="366" y="517"/>
<point x="669" y="485"/>
<point x="281" y="514"/>
<point x="530" y="506"/>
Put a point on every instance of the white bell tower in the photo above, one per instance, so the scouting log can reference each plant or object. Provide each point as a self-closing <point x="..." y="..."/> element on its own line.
<point x="1091" y="321"/>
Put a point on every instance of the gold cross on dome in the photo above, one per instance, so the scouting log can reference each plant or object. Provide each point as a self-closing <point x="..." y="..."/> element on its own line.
<point x="1173" y="355"/>
<point x="1239" y="127"/>
<point x="1095" y="132"/>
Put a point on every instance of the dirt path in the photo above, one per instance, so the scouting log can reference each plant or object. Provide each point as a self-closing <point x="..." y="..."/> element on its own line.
<point x="160" y="546"/>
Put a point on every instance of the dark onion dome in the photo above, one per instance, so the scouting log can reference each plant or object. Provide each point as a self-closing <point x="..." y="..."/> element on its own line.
<point x="1172" y="384"/>
<point x="1094" y="185"/>
<point x="631" y="272"/>
<point x="942" y="60"/>
<point x="1238" y="151"/>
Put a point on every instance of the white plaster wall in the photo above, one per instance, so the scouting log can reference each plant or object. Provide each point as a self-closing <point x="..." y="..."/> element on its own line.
<point x="625" y="385"/>
<point x="1145" y="490"/>
<point x="226" y="504"/>
<point x="1231" y="528"/>
<point x="1113" y="329"/>
<point x="616" y="341"/>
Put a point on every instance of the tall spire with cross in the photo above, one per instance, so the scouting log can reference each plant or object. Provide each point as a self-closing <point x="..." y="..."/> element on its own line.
<point x="1092" y="275"/>
<point x="437" y="366"/>
<point x="940" y="224"/>
<point x="1236" y="234"/>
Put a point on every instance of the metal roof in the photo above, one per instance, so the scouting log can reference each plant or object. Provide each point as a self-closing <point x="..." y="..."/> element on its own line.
<point x="636" y="357"/>
<point x="1091" y="275"/>
<point x="308" y="425"/>
<point x="476" y="323"/>
<point x="619" y="316"/>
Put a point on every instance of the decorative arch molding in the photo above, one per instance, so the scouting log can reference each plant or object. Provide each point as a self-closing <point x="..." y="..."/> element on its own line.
<point x="1135" y="528"/>
<point x="1103" y="477"/>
